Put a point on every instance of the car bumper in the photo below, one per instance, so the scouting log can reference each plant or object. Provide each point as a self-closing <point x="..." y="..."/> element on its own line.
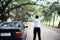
<point x="11" y="38"/>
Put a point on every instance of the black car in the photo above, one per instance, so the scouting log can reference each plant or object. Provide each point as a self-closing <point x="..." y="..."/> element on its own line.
<point x="12" y="31"/>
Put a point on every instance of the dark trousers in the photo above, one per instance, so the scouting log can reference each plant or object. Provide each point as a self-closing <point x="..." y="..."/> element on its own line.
<point x="37" y="31"/>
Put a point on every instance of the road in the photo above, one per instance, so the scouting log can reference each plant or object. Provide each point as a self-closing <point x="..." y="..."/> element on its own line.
<point x="47" y="33"/>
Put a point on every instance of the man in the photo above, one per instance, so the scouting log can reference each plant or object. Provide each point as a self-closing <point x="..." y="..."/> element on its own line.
<point x="37" y="30"/>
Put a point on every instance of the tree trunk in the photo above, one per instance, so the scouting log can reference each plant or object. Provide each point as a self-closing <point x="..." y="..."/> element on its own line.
<point x="46" y="22"/>
<point x="59" y="25"/>
<point x="53" y="19"/>
<point x="49" y="23"/>
<point x="4" y="16"/>
<point x="53" y="22"/>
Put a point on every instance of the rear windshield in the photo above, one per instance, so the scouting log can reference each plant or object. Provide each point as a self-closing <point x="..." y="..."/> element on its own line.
<point x="10" y="25"/>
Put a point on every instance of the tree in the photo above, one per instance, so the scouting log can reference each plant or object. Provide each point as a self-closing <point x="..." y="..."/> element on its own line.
<point x="56" y="7"/>
<point x="7" y="5"/>
<point x="53" y="8"/>
<point x="3" y="5"/>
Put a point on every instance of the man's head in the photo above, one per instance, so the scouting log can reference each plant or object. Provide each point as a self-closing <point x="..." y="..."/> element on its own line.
<point x="36" y="16"/>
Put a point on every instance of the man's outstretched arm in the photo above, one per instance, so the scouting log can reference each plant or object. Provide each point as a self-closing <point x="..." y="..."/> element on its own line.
<point x="30" y="16"/>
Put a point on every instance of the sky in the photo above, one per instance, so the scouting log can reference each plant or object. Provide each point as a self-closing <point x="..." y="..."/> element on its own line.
<point x="44" y="2"/>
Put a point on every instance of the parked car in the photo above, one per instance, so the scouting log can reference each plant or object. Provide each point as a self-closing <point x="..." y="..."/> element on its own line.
<point x="12" y="31"/>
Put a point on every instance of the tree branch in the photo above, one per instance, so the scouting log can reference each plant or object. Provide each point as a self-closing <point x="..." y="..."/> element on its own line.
<point x="7" y="3"/>
<point x="20" y="6"/>
<point x="23" y="5"/>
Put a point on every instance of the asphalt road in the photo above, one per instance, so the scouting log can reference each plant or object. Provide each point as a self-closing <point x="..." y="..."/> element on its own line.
<point x="47" y="33"/>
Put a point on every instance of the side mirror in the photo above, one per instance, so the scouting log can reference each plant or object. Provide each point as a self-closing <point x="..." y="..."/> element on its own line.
<point x="26" y="26"/>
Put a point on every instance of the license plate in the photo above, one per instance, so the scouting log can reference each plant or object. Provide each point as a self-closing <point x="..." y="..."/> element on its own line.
<point x="5" y="34"/>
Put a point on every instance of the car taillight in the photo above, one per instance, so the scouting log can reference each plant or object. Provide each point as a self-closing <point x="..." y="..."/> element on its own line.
<point x="18" y="33"/>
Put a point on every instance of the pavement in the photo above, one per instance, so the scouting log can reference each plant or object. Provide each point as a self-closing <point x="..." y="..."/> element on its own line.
<point x="47" y="33"/>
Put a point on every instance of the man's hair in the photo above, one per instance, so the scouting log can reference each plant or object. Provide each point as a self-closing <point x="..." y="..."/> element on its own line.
<point x="36" y="16"/>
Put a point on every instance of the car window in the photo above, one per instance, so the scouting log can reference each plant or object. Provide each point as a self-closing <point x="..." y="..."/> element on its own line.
<point x="11" y="24"/>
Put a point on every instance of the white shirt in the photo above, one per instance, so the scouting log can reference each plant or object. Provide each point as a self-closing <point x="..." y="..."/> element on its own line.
<point x="37" y="21"/>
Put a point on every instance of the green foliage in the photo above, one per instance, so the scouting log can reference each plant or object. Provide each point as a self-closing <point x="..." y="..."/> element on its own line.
<point x="30" y="7"/>
<point x="20" y="11"/>
<point x="59" y="12"/>
<point x="58" y="9"/>
<point x="40" y="11"/>
<point x="55" y="7"/>
<point x="23" y="1"/>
